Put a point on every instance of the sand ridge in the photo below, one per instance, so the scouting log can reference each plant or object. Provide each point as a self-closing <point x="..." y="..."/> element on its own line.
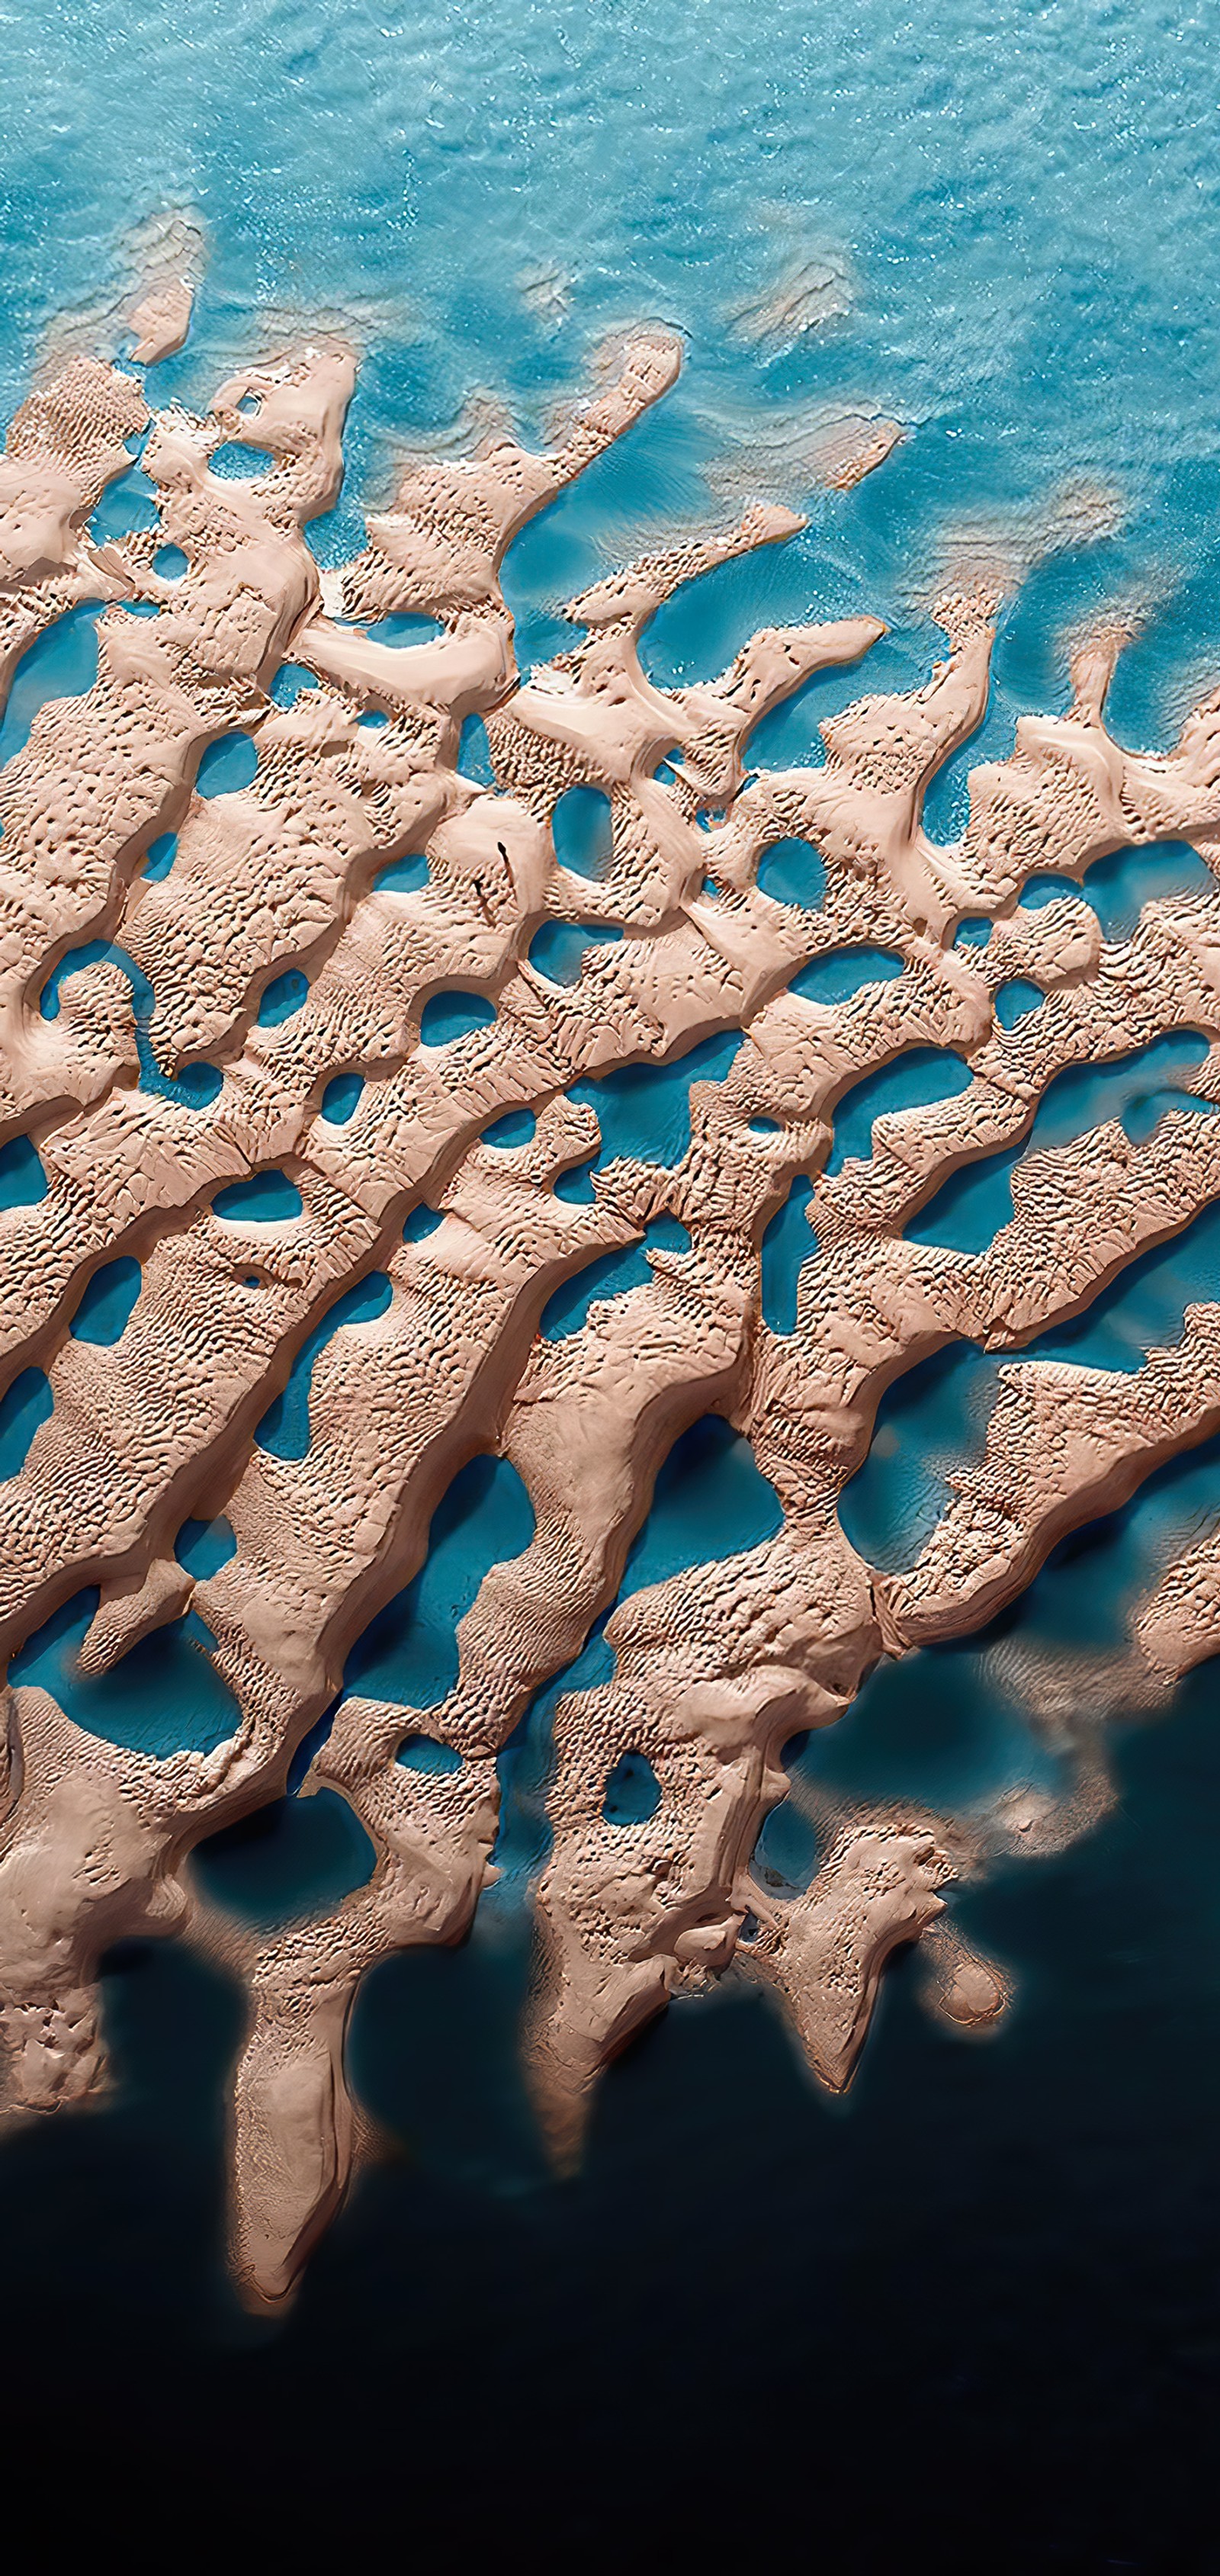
<point x="715" y="1669"/>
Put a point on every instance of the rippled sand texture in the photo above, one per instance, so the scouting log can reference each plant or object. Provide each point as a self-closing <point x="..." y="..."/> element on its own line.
<point x="138" y="1143"/>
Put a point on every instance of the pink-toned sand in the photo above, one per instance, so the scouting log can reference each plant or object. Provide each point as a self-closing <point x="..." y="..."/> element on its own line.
<point x="716" y="1668"/>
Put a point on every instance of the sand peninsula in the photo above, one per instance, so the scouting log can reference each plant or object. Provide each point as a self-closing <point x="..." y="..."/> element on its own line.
<point x="143" y="1132"/>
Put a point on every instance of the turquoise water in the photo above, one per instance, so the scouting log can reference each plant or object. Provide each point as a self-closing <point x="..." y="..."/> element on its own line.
<point x="969" y="1208"/>
<point x="1030" y="272"/>
<point x="281" y="997"/>
<point x="976" y="930"/>
<point x="935" y="1416"/>
<point x="427" y="1753"/>
<point x="61" y="664"/>
<point x="934" y="1727"/>
<point x="166" y="1693"/>
<point x="557" y="949"/>
<point x="125" y="507"/>
<point x="403" y="629"/>
<point x="268" y="1198"/>
<point x="284" y="1428"/>
<point x="24" y="1405"/>
<point x="289" y="681"/>
<point x="204" y="1546"/>
<point x="409" y="1652"/>
<point x="104" y="1310"/>
<point x="929" y="1418"/>
<point x="197" y="1084"/>
<point x="611" y="1275"/>
<point x="844" y="972"/>
<point x="1118" y="887"/>
<point x="791" y="872"/>
<point x="581" y="831"/>
<point x="633" y="1791"/>
<point x="422" y="1221"/>
<point x="161" y="855"/>
<point x="524" y="1769"/>
<point x="1092" y="1579"/>
<point x="402" y="876"/>
<point x="1144" y="1309"/>
<point x="239" y="463"/>
<point x="914" y="1079"/>
<point x="227" y="765"/>
<point x="710" y="1500"/>
<point x="23" y="1181"/>
<point x="643" y="1110"/>
<point x="474" y="752"/>
<point x="516" y="1127"/>
<point x="787" y="1245"/>
<point x="341" y="1098"/>
<point x="1015" y="1001"/>
<point x="454" y="1015"/>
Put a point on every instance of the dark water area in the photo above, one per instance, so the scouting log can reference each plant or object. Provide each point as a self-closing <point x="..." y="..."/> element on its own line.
<point x="968" y="2318"/>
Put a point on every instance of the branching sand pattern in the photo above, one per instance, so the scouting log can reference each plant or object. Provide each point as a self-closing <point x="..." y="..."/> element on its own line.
<point x="143" y="1115"/>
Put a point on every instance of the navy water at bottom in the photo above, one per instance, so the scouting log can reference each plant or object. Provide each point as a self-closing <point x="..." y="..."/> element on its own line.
<point x="986" y="2279"/>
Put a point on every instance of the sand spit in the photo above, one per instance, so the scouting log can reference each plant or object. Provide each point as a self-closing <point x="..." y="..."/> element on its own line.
<point x="715" y="1669"/>
<point x="168" y="256"/>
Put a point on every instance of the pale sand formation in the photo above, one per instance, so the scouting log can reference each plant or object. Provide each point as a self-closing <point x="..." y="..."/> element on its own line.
<point x="168" y="254"/>
<point x="716" y="1669"/>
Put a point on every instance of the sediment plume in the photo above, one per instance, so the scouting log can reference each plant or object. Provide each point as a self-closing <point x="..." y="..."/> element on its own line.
<point x="222" y="1063"/>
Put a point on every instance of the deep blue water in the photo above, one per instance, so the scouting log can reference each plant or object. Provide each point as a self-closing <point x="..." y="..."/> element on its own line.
<point x="1062" y="2203"/>
<point x="292" y="1858"/>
